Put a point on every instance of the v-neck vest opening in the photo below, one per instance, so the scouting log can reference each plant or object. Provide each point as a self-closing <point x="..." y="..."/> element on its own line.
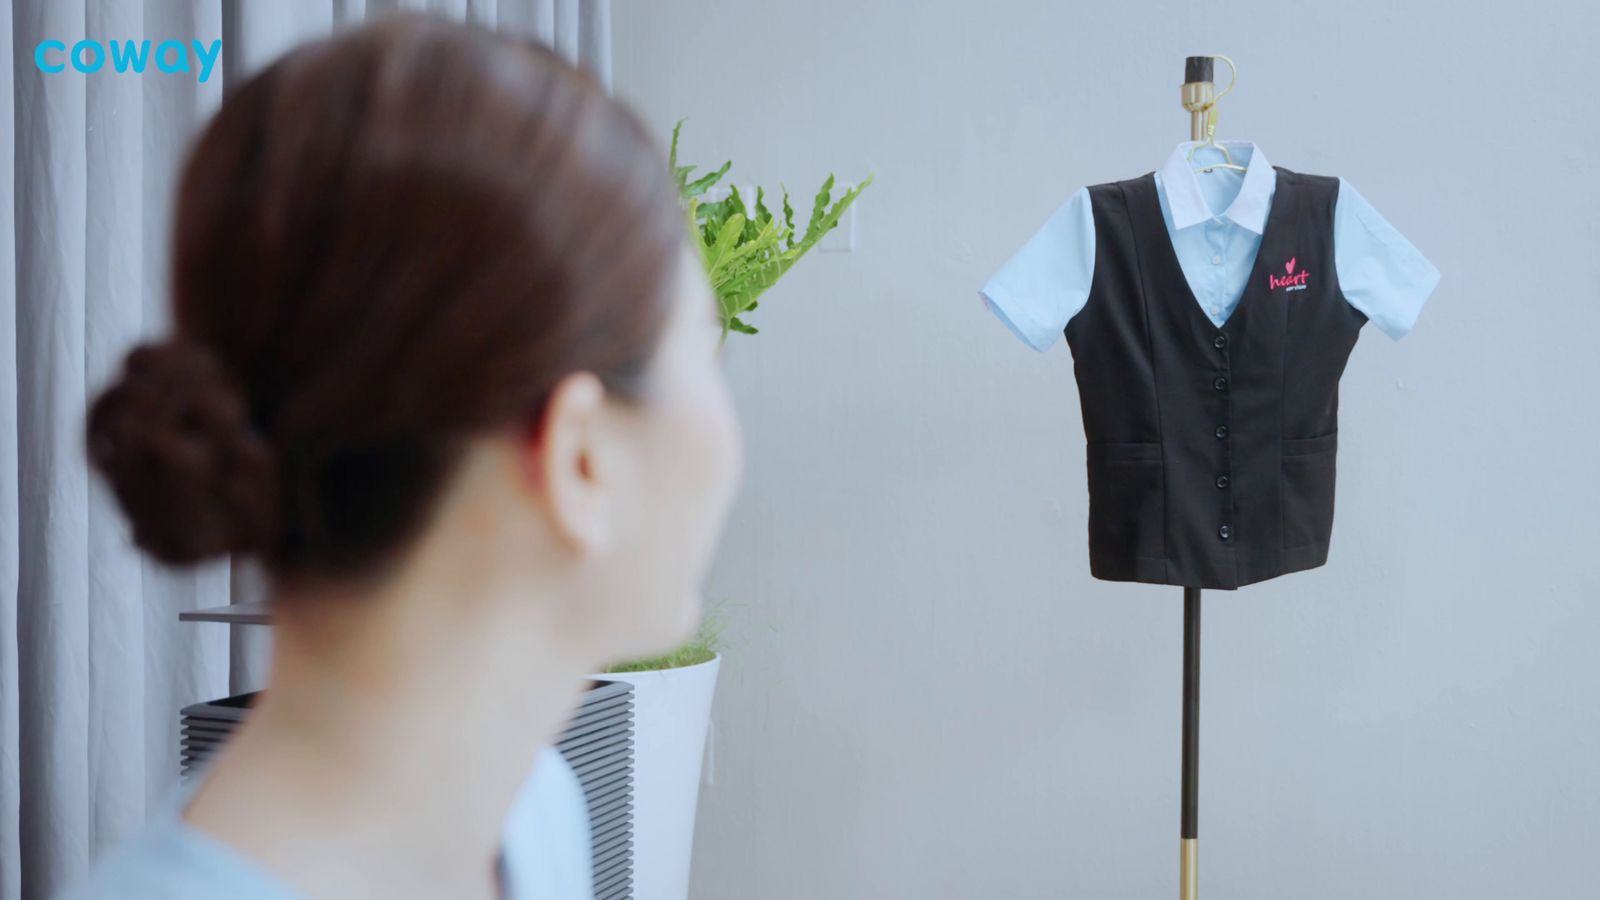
<point x="1144" y="204"/>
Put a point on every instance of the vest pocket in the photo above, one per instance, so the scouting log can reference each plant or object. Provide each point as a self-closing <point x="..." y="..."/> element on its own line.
<point x="1126" y="499"/>
<point x="1308" y="479"/>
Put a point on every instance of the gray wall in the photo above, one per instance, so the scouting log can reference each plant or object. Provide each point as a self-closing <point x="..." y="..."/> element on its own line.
<point x="926" y="695"/>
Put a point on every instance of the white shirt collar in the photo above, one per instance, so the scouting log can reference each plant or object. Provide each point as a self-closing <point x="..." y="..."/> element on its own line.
<point x="1188" y="203"/>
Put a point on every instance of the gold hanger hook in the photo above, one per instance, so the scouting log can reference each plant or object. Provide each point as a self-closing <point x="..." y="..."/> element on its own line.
<point x="1233" y="76"/>
<point x="1211" y="121"/>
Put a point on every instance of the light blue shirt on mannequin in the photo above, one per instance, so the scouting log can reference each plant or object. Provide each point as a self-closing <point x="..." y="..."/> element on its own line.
<point x="1047" y="280"/>
<point x="545" y="847"/>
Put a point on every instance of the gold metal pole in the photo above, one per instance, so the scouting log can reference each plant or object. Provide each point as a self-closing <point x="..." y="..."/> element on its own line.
<point x="1197" y="96"/>
<point x="1189" y="870"/>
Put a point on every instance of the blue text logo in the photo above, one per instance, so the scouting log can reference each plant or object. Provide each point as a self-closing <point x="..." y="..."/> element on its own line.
<point x="90" y="57"/>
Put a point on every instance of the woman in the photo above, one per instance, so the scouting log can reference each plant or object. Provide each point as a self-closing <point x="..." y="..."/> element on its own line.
<point x="445" y="362"/>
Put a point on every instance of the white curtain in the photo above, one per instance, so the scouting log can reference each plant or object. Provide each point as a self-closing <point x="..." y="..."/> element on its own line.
<point x="94" y="664"/>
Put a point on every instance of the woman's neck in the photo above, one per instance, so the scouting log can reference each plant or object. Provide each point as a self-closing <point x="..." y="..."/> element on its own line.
<point x="384" y="754"/>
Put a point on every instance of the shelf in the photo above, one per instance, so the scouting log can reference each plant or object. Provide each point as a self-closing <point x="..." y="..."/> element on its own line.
<point x="235" y="614"/>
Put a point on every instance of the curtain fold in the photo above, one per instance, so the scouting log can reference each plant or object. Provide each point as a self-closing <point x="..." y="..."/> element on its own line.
<point x="94" y="664"/>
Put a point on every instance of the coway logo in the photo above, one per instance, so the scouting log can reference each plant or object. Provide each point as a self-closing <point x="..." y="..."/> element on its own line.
<point x="89" y="56"/>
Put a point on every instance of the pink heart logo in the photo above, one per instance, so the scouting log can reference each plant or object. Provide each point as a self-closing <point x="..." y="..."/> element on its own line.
<point x="1289" y="266"/>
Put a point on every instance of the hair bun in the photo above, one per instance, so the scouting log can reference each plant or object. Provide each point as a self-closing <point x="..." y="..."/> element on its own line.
<point x="173" y="437"/>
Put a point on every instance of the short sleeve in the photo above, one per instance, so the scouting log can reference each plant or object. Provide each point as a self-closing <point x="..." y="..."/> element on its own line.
<point x="1046" y="281"/>
<point x="1380" y="272"/>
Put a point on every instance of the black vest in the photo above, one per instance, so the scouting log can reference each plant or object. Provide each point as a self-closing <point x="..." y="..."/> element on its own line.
<point x="1211" y="450"/>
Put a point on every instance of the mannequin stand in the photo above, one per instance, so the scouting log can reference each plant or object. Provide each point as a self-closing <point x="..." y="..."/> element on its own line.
<point x="1199" y="97"/>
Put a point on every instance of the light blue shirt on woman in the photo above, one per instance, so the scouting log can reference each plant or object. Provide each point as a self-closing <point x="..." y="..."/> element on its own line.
<point x="545" y="847"/>
<point x="1215" y="222"/>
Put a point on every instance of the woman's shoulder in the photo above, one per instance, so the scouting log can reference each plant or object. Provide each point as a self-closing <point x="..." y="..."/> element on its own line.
<point x="158" y="864"/>
<point x="546" y="839"/>
<point x="546" y="842"/>
<point x="141" y="865"/>
<point x="163" y="860"/>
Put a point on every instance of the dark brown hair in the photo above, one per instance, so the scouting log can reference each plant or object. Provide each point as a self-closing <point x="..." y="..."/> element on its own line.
<point x="386" y="242"/>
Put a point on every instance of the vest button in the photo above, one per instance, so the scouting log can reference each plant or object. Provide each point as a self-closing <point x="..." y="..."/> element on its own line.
<point x="1220" y="384"/>
<point x="1222" y="481"/>
<point x="1220" y="341"/>
<point x="1222" y="432"/>
<point x="1224" y="532"/>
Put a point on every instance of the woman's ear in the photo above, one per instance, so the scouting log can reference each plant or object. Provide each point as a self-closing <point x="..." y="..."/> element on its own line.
<point x="563" y="455"/>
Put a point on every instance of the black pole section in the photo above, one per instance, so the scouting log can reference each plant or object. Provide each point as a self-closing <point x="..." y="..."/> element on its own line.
<point x="1189" y="826"/>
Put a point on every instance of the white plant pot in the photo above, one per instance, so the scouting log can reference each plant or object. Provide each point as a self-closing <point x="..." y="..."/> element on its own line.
<point x="672" y="711"/>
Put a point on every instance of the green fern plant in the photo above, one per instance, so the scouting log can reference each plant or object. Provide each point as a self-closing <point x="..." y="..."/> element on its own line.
<point x="747" y="249"/>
